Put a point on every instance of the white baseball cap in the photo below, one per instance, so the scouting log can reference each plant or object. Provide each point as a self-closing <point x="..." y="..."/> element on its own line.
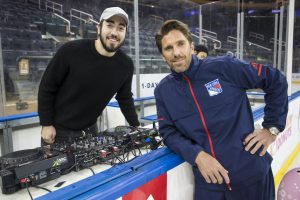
<point x="112" y="11"/>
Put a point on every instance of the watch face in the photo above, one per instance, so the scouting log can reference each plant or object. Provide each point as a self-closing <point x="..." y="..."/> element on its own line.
<point x="274" y="130"/>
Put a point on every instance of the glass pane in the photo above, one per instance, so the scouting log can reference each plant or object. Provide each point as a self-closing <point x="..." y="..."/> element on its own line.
<point x="259" y="34"/>
<point x="151" y="16"/>
<point x="220" y="27"/>
<point x="296" y="56"/>
<point x="31" y="33"/>
<point x="260" y="30"/>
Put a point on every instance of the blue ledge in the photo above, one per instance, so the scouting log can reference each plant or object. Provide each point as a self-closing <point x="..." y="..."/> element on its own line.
<point x="294" y="95"/>
<point x="144" y="98"/>
<point x="116" y="104"/>
<point x="256" y="93"/>
<point x="109" y="184"/>
<point x="259" y="113"/>
<point x="117" y="188"/>
<point x="150" y="118"/>
<point x="113" y="104"/>
<point x="18" y="116"/>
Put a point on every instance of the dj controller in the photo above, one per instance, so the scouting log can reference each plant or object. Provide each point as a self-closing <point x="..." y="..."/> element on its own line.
<point x="32" y="167"/>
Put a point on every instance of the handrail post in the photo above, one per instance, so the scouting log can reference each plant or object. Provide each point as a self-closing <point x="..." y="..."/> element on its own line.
<point x="68" y="22"/>
<point x="7" y="139"/>
<point x="142" y="109"/>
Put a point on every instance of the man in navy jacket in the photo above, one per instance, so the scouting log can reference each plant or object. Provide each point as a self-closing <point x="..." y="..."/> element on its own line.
<point x="204" y="116"/>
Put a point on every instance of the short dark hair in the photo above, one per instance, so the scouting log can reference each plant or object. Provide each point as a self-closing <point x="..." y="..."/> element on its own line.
<point x="101" y="24"/>
<point x="168" y="26"/>
<point x="201" y="47"/>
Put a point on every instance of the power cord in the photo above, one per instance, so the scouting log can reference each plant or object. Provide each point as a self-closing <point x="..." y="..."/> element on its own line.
<point x="91" y="170"/>
<point x="28" y="189"/>
<point x="39" y="187"/>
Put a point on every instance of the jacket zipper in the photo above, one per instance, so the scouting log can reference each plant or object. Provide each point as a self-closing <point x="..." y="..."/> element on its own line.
<point x="211" y="146"/>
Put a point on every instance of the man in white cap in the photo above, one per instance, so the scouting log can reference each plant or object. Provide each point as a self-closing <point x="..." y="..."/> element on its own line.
<point x="82" y="78"/>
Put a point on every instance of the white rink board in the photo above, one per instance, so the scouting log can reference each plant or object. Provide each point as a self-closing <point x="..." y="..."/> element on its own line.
<point x="182" y="179"/>
<point x="148" y="82"/>
<point x="286" y="141"/>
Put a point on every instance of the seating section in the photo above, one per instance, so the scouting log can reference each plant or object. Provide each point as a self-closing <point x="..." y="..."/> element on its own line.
<point x="30" y="31"/>
<point x="22" y="38"/>
<point x="150" y="58"/>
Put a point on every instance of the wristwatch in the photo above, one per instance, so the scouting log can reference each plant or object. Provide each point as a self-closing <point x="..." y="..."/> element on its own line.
<point x="273" y="130"/>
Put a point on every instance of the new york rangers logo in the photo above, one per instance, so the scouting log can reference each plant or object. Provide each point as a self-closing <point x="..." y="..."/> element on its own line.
<point x="214" y="87"/>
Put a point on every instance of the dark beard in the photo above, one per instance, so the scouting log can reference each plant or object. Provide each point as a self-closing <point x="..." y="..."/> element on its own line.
<point x="108" y="49"/>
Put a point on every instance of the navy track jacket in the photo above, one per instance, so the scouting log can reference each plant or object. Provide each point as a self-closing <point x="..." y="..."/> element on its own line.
<point x="218" y="87"/>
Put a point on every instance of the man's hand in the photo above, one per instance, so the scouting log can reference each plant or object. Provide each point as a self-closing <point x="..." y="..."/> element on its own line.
<point x="48" y="134"/>
<point x="211" y="169"/>
<point x="259" y="138"/>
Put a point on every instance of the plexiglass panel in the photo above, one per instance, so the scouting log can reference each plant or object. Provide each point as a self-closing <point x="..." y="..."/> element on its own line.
<point x="220" y="27"/>
<point x="32" y="31"/>
<point x="151" y="16"/>
<point x="296" y="48"/>
<point x="265" y="33"/>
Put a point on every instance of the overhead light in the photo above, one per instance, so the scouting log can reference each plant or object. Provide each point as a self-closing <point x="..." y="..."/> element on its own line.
<point x="275" y="11"/>
<point x="204" y="1"/>
<point x="251" y="11"/>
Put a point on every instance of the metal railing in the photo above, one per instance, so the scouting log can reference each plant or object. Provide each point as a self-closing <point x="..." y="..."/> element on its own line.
<point x="207" y="33"/>
<point x="203" y="40"/>
<point x="68" y="30"/>
<point x="82" y="16"/>
<point x="257" y="35"/>
<point x="231" y="39"/>
<point x="54" y="7"/>
<point x="257" y="45"/>
<point x="277" y="41"/>
<point x="8" y="122"/>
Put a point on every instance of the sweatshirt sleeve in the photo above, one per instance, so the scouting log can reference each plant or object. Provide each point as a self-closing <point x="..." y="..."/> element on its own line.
<point x="53" y="77"/>
<point x="125" y="100"/>
<point x="270" y="80"/>
<point x="172" y="138"/>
